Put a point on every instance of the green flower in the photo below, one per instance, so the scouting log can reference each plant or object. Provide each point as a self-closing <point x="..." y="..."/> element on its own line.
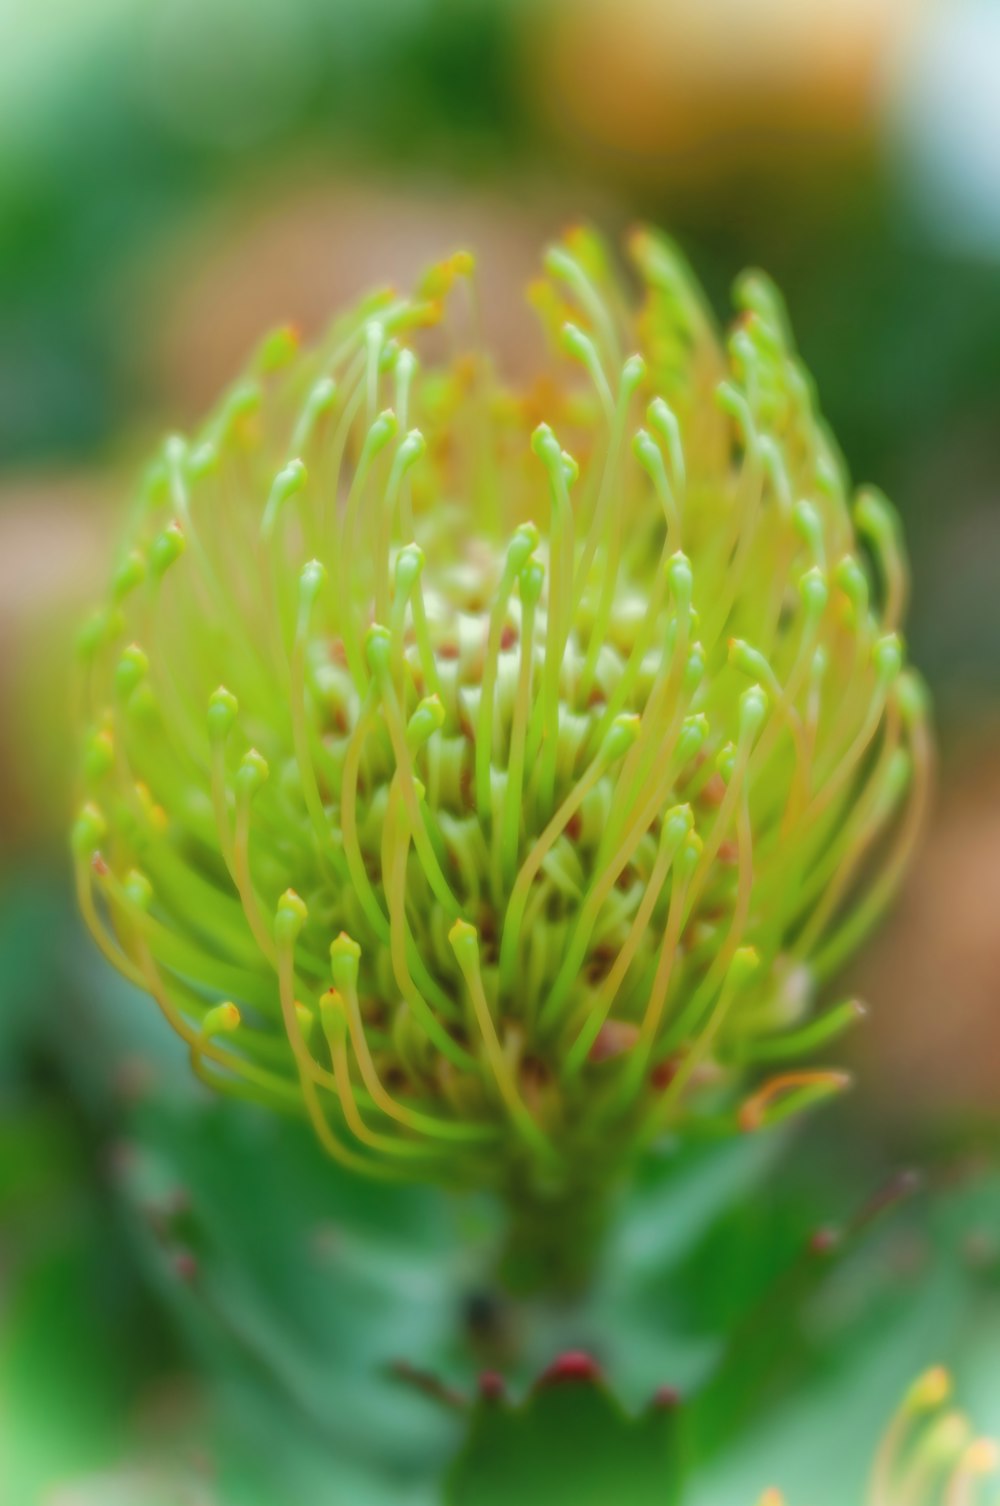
<point x="499" y="794"/>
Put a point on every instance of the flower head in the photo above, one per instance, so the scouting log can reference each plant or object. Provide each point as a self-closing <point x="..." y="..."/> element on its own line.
<point x="494" y="777"/>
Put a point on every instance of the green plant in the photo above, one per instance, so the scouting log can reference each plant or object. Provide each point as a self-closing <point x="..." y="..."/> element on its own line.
<point x="495" y="778"/>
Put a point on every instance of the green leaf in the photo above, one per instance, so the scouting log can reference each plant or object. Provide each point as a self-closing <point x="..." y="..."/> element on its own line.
<point x="568" y="1444"/>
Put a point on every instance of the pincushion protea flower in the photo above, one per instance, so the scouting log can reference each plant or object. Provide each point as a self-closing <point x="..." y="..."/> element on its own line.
<point x="494" y="777"/>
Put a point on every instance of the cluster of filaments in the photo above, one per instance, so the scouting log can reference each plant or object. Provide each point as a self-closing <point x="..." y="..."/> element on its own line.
<point x="499" y="792"/>
<point x="930" y="1455"/>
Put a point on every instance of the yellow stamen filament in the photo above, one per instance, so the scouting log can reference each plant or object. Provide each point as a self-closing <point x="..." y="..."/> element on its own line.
<point x="752" y="1113"/>
<point x="243" y="878"/>
<point x="514" y="918"/>
<point x="466" y="948"/>
<point x="672" y="834"/>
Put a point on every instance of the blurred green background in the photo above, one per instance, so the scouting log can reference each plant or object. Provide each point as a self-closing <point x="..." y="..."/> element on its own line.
<point x="195" y="1308"/>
